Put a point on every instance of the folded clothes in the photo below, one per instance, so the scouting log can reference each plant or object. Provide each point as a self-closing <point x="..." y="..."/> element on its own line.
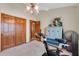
<point x="60" y="43"/>
<point x="52" y="42"/>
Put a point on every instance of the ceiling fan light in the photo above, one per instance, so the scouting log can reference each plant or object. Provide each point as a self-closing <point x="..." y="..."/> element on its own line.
<point x="36" y="7"/>
<point x="32" y="8"/>
<point x="28" y="8"/>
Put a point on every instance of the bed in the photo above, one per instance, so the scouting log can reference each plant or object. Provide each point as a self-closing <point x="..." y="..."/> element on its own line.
<point x="34" y="48"/>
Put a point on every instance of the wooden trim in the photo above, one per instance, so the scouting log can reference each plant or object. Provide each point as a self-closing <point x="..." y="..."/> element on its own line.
<point x="0" y="32"/>
<point x="12" y="15"/>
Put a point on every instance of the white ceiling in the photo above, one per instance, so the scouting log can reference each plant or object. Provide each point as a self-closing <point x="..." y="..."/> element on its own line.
<point x="43" y="6"/>
<point x="47" y="6"/>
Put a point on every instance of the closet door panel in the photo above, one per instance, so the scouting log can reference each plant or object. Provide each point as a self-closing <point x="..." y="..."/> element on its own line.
<point x="4" y="41"/>
<point x="13" y="31"/>
<point x="34" y="28"/>
<point x="11" y="23"/>
<point x="23" y="30"/>
<point x="7" y="31"/>
<point x="37" y="26"/>
<point x="2" y="35"/>
<point x="18" y="31"/>
<point x="18" y="34"/>
<point x="0" y="31"/>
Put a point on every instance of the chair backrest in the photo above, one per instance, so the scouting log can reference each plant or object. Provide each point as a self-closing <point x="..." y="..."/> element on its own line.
<point x="73" y="36"/>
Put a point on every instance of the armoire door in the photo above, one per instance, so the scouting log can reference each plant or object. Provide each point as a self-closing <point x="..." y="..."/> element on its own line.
<point x="20" y="31"/>
<point x="34" y="28"/>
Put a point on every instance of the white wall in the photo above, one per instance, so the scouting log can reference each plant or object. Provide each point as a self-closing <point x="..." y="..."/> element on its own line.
<point x="78" y="30"/>
<point x="68" y="14"/>
<point x="78" y="25"/>
<point x="78" y="18"/>
<point x="7" y="8"/>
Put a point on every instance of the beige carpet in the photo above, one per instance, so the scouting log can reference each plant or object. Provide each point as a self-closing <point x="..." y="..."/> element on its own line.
<point x="33" y="48"/>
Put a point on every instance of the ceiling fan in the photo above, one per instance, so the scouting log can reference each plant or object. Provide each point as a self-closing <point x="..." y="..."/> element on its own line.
<point x="32" y="8"/>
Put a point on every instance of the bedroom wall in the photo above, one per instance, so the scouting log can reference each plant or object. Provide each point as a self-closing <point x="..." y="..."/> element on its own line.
<point x="78" y="29"/>
<point x="78" y="25"/>
<point x="68" y="15"/>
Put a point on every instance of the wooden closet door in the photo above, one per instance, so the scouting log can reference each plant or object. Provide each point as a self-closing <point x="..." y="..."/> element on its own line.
<point x="37" y="26"/>
<point x="11" y="28"/>
<point x="0" y="31"/>
<point x="7" y="33"/>
<point x="20" y="31"/>
<point x="13" y="31"/>
<point x="23" y="30"/>
<point x="34" y="28"/>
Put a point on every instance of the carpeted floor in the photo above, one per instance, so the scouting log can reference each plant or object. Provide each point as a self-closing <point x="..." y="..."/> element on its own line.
<point x="34" y="48"/>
